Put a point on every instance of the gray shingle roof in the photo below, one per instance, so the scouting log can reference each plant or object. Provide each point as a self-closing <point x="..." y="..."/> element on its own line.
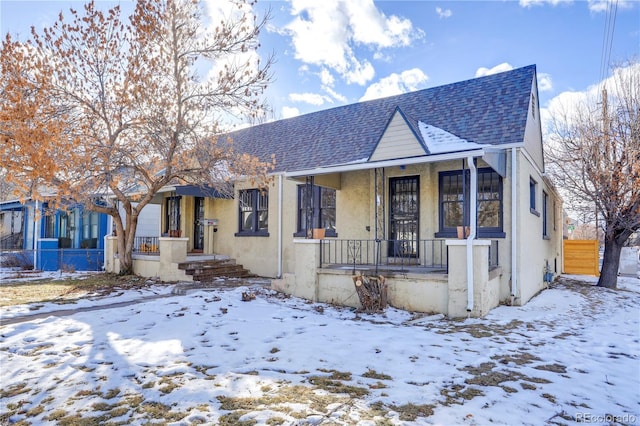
<point x="487" y="110"/>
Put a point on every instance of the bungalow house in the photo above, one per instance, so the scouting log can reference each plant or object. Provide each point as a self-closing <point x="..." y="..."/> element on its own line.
<point x="442" y="191"/>
<point x="33" y="235"/>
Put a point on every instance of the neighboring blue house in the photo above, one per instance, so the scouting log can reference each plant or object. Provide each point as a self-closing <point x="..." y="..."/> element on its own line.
<point x="51" y="240"/>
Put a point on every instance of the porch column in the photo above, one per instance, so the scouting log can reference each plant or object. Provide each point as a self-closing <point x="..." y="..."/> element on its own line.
<point x="304" y="280"/>
<point x="172" y="252"/>
<point x="111" y="263"/>
<point x="458" y="294"/>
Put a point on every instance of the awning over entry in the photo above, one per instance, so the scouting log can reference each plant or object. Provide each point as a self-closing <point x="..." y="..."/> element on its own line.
<point x="189" y="190"/>
<point x="199" y="191"/>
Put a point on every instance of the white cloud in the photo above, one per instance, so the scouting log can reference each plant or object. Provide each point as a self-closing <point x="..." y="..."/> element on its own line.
<point x="396" y="84"/>
<point x="602" y="5"/>
<point x="335" y="95"/>
<point x="595" y="6"/>
<point x="443" y="13"/>
<point x="309" y="98"/>
<point x="568" y="103"/>
<point x="481" y="72"/>
<point x="326" y="78"/>
<point x="531" y="3"/>
<point x="288" y="112"/>
<point x="361" y="73"/>
<point x="342" y="25"/>
<point x="545" y="84"/>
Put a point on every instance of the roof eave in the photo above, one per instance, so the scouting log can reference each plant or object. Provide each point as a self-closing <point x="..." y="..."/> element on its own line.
<point x="388" y="163"/>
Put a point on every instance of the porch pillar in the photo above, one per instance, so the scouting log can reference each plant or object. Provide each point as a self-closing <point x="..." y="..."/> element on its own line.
<point x="304" y="280"/>
<point x="172" y="252"/>
<point x="111" y="263"/>
<point x="458" y="296"/>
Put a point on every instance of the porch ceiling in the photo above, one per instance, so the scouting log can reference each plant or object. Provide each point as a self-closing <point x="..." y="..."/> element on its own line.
<point x="330" y="180"/>
<point x="494" y="157"/>
<point x="387" y="163"/>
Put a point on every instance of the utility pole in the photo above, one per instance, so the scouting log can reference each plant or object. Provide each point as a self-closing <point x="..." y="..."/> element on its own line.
<point x="605" y="139"/>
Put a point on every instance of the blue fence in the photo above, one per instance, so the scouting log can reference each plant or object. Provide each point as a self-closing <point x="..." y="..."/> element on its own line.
<point x="54" y="259"/>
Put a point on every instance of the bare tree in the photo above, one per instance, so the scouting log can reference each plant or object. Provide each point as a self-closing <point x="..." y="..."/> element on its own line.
<point x="593" y="152"/>
<point x="128" y="106"/>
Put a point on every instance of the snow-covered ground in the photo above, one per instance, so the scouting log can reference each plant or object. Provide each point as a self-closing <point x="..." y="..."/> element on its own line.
<point x="569" y="356"/>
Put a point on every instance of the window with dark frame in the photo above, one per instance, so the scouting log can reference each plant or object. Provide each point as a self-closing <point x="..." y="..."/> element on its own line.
<point x="533" y="187"/>
<point x="323" y="212"/>
<point x="454" y="187"/>
<point x="49" y="225"/>
<point x="172" y="214"/>
<point x="253" y="212"/>
<point x="545" y="215"/>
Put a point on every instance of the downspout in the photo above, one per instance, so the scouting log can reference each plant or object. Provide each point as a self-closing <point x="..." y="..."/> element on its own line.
<point x="279" y="226"/>
<point x="514" y="227"/>
<point x="473" y="213"/>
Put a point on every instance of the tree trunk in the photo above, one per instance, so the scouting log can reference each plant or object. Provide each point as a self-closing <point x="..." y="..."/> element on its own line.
<point x="129" y="236"/>
<point x="126" y="254"/>
<point x="610" y="263"/>
<point x="126" y="238"/>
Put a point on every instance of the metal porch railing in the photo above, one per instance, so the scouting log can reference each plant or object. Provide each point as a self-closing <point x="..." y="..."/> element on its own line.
<point x="146" y="245"/>
<point x="390" y="254"/>
<point x="426" y="255"/>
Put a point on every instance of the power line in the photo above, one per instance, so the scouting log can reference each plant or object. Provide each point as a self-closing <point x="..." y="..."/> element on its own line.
<point x="607" y="39"/>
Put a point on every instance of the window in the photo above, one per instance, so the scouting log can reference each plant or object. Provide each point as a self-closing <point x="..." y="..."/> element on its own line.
<point x="490" y="201"/>
<point x="317" y="210"/>
<point x="533" y="186"/>
<point x="545" y="215"/>
<point x="454" y="187"/>
<point x="90" y="225"/>
<point x="67" y="232"/>
<point x="89" y="230"/>
<point x="49" y="225"/>
<point x="253" y="212"/>
<point x="172" y="214"/>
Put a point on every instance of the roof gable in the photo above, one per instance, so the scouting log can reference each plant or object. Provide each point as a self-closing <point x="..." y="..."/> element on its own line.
<point x="398" y="140"/>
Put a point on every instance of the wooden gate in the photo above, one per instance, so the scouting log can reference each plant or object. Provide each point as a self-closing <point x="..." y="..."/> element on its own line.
<point x="581" y="257"/>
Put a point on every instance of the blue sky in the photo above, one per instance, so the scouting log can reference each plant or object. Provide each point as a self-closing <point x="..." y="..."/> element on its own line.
<point x="334" y="52"/>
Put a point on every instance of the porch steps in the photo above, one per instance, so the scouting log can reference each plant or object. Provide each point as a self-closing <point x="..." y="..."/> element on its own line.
<point x="208" y="270"/>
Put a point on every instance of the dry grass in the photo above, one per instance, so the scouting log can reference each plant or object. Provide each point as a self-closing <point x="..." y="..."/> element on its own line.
<point x="62" y="291"/>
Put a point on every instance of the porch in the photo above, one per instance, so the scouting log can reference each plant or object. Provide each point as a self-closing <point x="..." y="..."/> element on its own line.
<point x="426" y="256"/>
<point x="168" y="259"/>
<point x="452" y="277"/>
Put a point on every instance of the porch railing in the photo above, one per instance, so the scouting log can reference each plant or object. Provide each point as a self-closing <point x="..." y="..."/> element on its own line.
<point x="146" y="245"/>
<point x="430" y="255"/>
<point x="391" y="254"/>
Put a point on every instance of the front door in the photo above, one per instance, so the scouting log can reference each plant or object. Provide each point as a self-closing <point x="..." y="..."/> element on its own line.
<point x="198" y="224"/>
<point x="404" y="213"/>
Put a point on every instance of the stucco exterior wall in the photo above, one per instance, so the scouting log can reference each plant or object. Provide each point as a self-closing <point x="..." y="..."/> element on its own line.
<point x="146" y="266"/>
<point x="259" y="254"/>
<point x="419" y="292"/>
<point x="354" y="206"/>
<point x="535" y="251"/>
